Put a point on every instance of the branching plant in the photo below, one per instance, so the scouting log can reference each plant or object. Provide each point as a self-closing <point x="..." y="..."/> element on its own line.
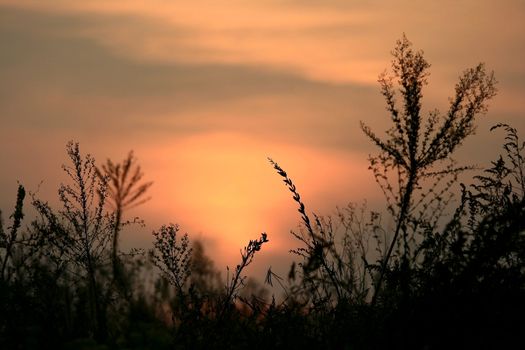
<point x="435" y="281"/>
<point x="505" y="180"/>
<point x="77" y="236"/>
<point x="124" y="192"/>
<point x="419" y="149"/>
<point x="236" y="282"/>
<point x="172" y="256"/>
<point x="334" y="252"/>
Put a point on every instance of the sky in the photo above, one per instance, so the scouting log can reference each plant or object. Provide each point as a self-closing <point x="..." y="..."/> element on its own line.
<point x="204" y="91"/>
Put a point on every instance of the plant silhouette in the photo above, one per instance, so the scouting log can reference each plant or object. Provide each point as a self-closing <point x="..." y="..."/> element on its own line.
<point x="415" y="148"/>
<point x="445" y="274"/>
<point x="125" y="191"/>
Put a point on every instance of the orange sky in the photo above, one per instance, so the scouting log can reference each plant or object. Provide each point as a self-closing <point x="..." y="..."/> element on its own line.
<point x="205" y="90"/>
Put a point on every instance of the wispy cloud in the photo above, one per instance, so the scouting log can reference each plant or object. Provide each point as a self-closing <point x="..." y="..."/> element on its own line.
<point x="58" y="81"/>
<point x="333" y="40"/>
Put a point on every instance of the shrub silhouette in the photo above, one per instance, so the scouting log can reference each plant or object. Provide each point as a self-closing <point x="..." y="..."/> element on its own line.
<point x="426" y="275"/>
<point x="431" y="281"/>
<point x="414" y="148"/>
<point x="77" y="236"/>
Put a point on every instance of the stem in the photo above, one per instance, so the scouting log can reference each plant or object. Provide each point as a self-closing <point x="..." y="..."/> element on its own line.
<point x="114" y="252"/>
<point x="17" y="216"/>
<point x="400" y="221"/>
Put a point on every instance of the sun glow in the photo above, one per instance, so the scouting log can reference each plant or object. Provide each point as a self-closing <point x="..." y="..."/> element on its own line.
<point x="204" y="91"/>
<point x="221" y="185"/>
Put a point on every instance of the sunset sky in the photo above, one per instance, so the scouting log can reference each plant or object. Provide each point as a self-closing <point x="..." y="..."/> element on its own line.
<point x="204" y="91"/>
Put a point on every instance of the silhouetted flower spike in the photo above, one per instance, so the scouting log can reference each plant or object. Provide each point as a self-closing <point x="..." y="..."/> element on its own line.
<point x="296" y="196"/>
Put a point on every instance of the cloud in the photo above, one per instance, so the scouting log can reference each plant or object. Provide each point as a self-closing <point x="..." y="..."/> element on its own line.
<point x="335" y="41"/>
<point x="73" y="83"/>
<point x="312" y="43"/>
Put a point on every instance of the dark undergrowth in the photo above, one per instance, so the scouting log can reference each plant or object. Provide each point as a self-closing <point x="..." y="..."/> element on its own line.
<point x="446" y="272"/>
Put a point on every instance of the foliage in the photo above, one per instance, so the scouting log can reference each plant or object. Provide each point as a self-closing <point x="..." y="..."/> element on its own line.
<point x="429" y="281"/>
<point x="8" y="239"/>
<point x="331" y="271"/>
<point x="415" y="147"/>
<point x="125" y="192"/>
<point x="237" y="280"/>
<point x="172" y="257"/>
<point x="76" y="237"/>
